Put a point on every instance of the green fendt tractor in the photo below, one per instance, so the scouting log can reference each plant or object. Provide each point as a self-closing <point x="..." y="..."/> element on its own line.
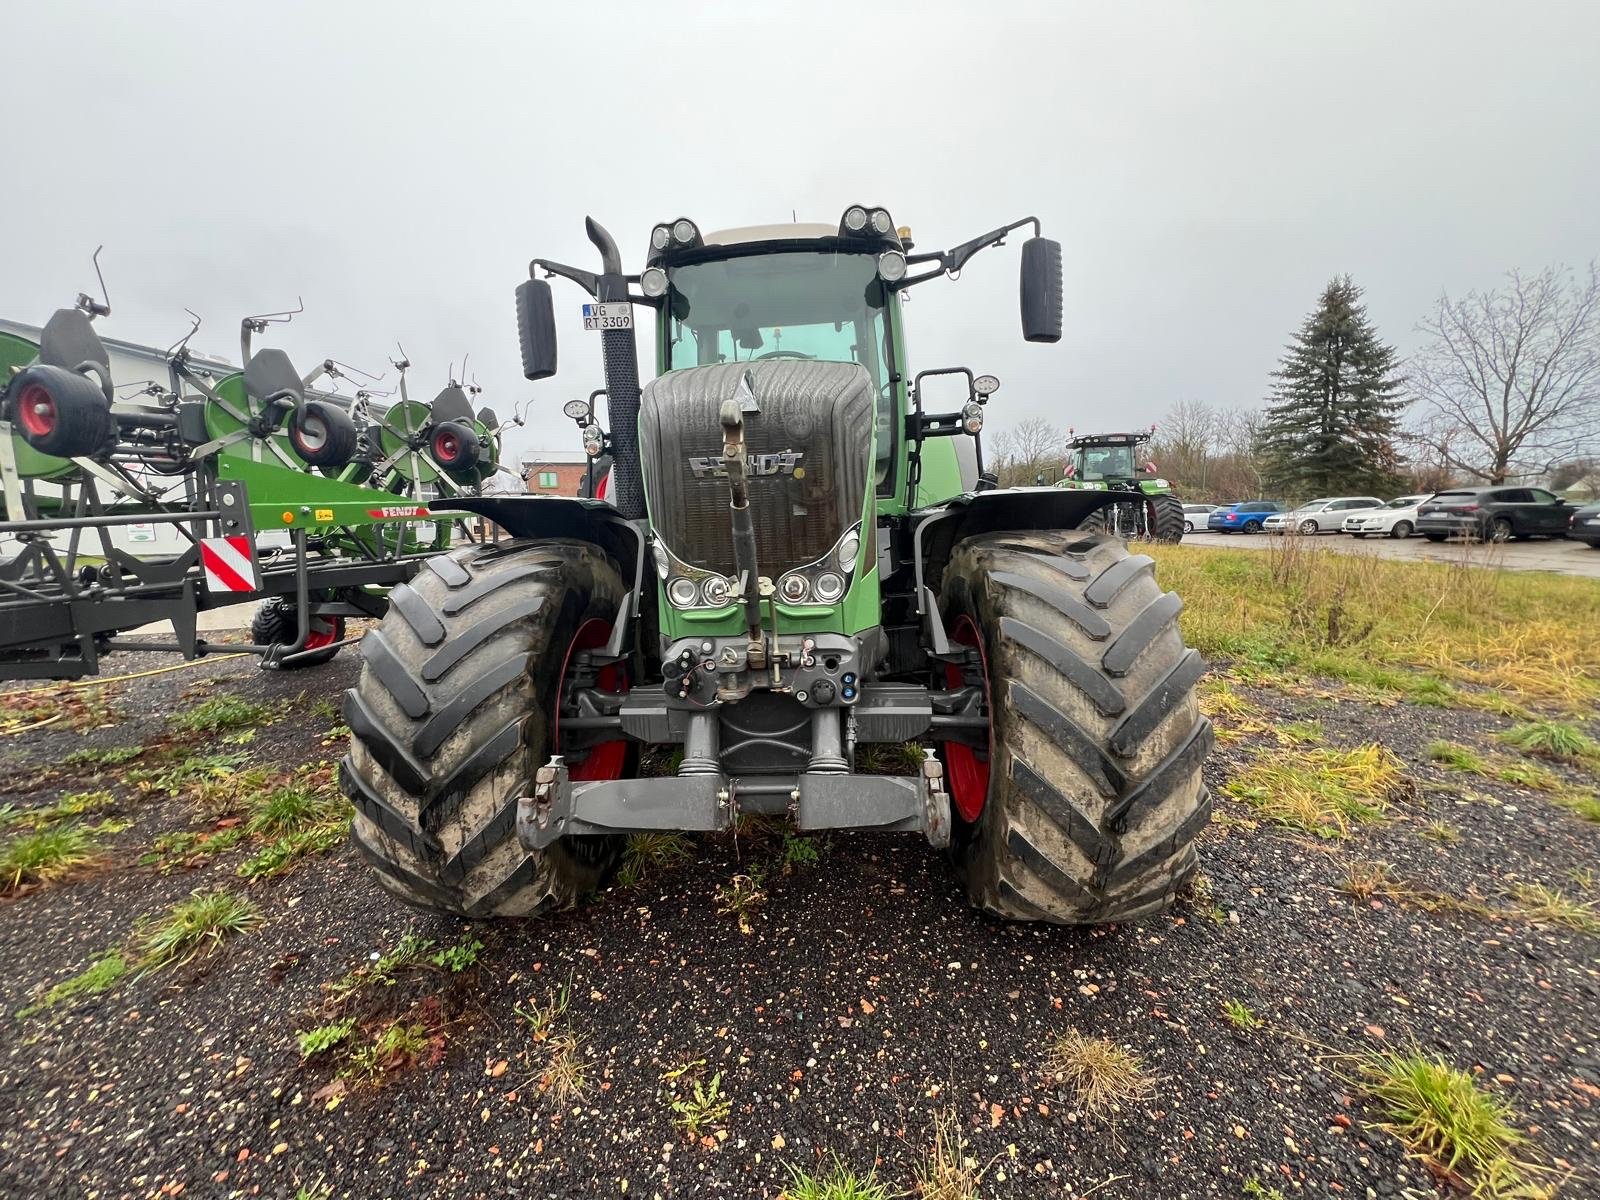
<point x="1142" y="504"/>
<point x="794" y="559"/>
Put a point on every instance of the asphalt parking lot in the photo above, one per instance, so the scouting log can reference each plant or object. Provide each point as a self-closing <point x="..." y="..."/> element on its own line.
<point x="1541" y="554"/>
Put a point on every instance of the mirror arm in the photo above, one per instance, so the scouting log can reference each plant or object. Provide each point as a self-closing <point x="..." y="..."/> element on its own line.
<point x="956" y="257"/>
<point x="587" y="280"/>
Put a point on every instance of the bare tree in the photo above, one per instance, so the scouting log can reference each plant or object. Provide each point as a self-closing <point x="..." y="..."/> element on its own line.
<point x="1511" y="378"/>
<point x="1020" y="453"/>
<point x="1185" y="444"/>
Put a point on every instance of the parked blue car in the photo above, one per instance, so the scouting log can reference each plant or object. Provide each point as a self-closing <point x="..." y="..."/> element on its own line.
<point x="1244" y="517"/>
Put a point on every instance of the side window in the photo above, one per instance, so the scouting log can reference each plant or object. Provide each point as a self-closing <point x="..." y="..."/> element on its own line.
<point x="1540" y="496"/>
<point x="1511" y="496"/>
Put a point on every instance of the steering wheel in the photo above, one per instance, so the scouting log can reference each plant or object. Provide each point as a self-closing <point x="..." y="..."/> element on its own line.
<point x="784" y="354"/>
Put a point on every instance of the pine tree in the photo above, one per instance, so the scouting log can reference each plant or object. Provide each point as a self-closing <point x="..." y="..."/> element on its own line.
<point x="1334" y="410"/>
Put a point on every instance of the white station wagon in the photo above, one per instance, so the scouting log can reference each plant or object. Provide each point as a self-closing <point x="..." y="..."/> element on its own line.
<point x="1325" y="515"/>
<point x="1397" y="519"/>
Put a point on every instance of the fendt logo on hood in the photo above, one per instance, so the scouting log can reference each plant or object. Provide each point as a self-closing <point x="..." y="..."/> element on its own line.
<point x="785" y="462"/>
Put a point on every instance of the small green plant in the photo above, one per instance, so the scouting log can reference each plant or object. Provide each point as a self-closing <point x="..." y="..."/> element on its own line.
<point x="704" y="1110"/>
<point x="541" y="1018"/>
<point x="798" y="851"/>
<point x="462" y="956"/>
<point x="97" y="978"/>
<point x="838" y="1182"/>
<point x="1441" y="1112"/>
<point x="221" y="713"/>
<point x="324" y="709"/>
<point x="186" y="847"/>
<point x="187" y="773"/>
<point x="1552" y="739"/>
<point x="44" y="855"/>
<point x="648" y="853"/>
<point x="285" y="810"/>
<point x="740" y="897"/>
<point x="1580" y="803"/>
<point x="280" y="856"/>
<point x="1442" y="832"/>
<point x="1240" y="1016"/>
<point x="1257" y="1190"/>
<point x="324" y="1037"/>
<point x="1106" y="1077"/>
<point x="202" y="922"/>
<point x="384" y="970"/>
<point x="398" y="1045"/>
<point x="1304" y="732"/>
<point x="111" y="756"/>
<point x="1457" y="757"/>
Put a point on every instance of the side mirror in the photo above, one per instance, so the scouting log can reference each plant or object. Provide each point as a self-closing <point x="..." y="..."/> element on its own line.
<point x="536" y="327"/>
<point x="1041" y="290"/>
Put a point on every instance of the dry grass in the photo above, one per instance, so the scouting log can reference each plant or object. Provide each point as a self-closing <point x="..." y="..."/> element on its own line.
<point x="949" y="1172"/>
<point x="1422" y="630"/>
<point x="1106" y="1077"/>
<point x="566" y="1068"/>
<point x="1324" y="791"/>
<point x="1539" y="904"/>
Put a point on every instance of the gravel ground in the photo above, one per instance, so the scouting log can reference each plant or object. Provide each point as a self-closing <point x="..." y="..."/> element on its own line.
<point x="864" y="998"/>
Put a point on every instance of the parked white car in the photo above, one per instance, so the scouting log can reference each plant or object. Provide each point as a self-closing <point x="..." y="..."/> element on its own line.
<point x="1397" y="519"/>
<point x="1324" y="515"/>
<point x="1194" y="516"/>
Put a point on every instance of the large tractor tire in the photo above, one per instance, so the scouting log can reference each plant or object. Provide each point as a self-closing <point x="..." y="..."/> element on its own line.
<point x="1087" y="805"/>
<point x="1165" y="515"/>
<point x="454" y="711"/>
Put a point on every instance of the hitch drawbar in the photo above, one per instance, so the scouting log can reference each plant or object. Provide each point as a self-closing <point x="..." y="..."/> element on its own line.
<point x="708" y="803"/>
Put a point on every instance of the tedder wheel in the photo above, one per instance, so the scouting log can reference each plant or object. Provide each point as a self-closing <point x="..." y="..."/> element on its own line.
<point x="1086" y="806"/>
<point x="1164" y="514"/>
<point x="457" y="707"/>
<point x="455" y="447"/>
<point x="60" y="412"/>
<point x="277" y="623"/>
<point x="322" y="434"/>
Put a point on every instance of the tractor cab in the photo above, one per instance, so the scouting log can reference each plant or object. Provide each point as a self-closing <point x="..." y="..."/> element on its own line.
<point x="1109" y="458"/>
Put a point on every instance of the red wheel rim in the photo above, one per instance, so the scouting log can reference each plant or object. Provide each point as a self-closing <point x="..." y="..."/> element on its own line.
<point x="446" y="448"/>
<point x="317" y="638"/>
<point x="966" y="773"/>
<point x="36" y="411"/>
<point x="605" y="760"/>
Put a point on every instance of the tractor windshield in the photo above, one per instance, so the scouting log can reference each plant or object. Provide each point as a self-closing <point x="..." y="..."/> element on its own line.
<point x="1106" y="462"/>
<point x="794" y="304"/>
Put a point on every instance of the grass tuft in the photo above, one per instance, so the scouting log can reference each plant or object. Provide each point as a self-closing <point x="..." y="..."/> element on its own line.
<point x="1106" y="1077"/>
<point x="740" y="897"/>
<point x="202" y="922"/>
<point x="44" y="855"/>
<point x="1442" y="832"/>
<point x="1441" y="1113"/>
<point x="222" y="713"/>
<point x="649" y="853"/>
<point x="837" y="1182"/>
<point x="1457" y="757"/>
<point x="324" y="1037"/>
<point x="949" y="1172"/>
<point x="96" y="979"/>
<point x="1539" y="904"/>
<point x="1560" y="740"/>
<point x="1324" y="791"/>
<point x="1240" y="1016"/>
<point x="702" y="1111"/>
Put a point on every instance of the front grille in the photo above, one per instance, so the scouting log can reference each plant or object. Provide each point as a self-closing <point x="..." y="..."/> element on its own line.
<point x="815" y="418"/>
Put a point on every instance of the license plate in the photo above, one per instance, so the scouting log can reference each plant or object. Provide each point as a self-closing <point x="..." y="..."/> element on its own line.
<point x="608" y="316"/>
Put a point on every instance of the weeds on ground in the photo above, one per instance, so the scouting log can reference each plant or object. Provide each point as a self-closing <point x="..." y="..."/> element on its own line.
<point x="1442" y="832"/>
<point x="889" y="758"/>
<point x="565" y="1068"/>
<point x="798" y="852"/>
<point x="1559" y="740"/>
<point x="324" y="1037"/>
<point x="1541" y="905"/>
<point x="703" y="1111"/>
<point x="44" y="855"/>
<point x="397" y="1046"/>
<point x="1581" y="803"/>
<point x="740" y="897"/>
<point x="1441" y="1113"/>
<point x="188" y="848"/>
<point x="646" y="854"/>
<point x="70" y="806"/>
<point x="1324" y="791"/>
<point x="1305" y="733"/>
<point x="96" y="979"/>
<point x="1240" y="1016"/>
<point x="187" y="773"/>
<point x="410" y="953"/>
<point x="1458" y="757"/>
<point x="1518" y="772"/>
<point x="837" y="1182"/>
<point x="72" y="708"/>
<point x="949" y="1172"/>
<point x="1105" y="1076"/>
<point x="1257" y="1190"/>
<point x="111" y="756"/>
<point x="200" y="923"/>
<point x="222" y="713"/>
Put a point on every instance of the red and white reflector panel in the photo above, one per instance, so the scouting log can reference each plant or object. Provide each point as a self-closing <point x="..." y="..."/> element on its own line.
<point x="230" y="564"/>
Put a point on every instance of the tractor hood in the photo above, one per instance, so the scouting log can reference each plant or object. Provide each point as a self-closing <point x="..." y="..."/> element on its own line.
<point x="808" y="431"/>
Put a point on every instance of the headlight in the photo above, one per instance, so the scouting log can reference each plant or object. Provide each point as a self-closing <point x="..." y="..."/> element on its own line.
<point x="714" y="591"/>
<point x="849" y="547"/>
<point x="593" y="440"/>
<point x="683" y="230"/>
<point x="972" y="416"/>
<point x="660" y="236"/>
<point x="881" y="224"/>
<point x="986" y="385"/>
<point x="891" y="266"/>
<point x="793" y="588"/>
<point x="855" y="218"/>
<point x="829" y="587"/>
<point x="653" y="282"/>
<point x="682" y="592"/>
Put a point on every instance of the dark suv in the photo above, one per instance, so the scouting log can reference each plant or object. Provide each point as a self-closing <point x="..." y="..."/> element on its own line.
<point x="1245" y="517"/>
<point x="1495" y="514"/>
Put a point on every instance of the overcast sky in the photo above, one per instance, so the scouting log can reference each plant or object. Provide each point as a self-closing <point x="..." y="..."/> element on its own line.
<point x="1207" y="168"/>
